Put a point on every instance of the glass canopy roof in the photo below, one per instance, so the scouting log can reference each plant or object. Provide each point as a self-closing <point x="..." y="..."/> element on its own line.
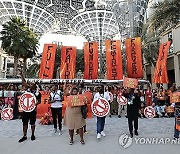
<point x="93" y="19"/>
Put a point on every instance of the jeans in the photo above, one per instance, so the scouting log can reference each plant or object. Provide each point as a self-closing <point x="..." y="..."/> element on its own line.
<point x="100" y="124"/>
<point x="176" y="132"/>
<point x="57" y="112"/>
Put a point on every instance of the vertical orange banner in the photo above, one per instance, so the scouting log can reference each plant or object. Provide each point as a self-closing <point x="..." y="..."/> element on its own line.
<point x="47" y="61"/>
<point x="160" y="73"/>
<point x="134" y="58"/>
<point x="68" y="62"/>
<point x="90" y="60"/>
<point x="113" y="60"/>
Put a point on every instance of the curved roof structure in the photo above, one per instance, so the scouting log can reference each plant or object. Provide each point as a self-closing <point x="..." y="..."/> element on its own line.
<point x="93" y="19"/>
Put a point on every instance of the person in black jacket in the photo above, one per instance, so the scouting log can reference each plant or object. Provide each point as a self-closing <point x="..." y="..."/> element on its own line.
<point x="133" y="107"/>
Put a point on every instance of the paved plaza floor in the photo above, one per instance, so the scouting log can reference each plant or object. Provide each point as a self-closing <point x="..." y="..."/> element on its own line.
<point x="49" y="143"/>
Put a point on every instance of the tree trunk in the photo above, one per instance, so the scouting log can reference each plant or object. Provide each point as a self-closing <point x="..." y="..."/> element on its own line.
<point x="24" y="66"/>
<point x="15" y="67"/>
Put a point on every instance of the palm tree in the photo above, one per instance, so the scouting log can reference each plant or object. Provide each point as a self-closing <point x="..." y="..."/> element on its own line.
<point x="30" y="46"/>
<point x="150" y="44"/>
<point x="166" y="14"/>
<point x="18" y="41"/>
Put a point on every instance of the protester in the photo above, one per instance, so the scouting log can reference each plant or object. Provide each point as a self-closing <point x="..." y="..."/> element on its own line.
<point x="101" y="120"/>
<point x="73" y="120"/>
<point x="133" y="107"/>
<point x="30" y="116"/>
<point x="55" y="100"/>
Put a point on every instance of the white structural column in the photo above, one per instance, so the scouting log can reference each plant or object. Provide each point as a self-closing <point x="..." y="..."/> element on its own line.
<point x="177" y="70"/>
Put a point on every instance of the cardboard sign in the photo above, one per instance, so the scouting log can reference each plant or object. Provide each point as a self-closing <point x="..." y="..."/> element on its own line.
<point x="76" y="100"/>
<point x="175" y="97"/>
<point x="149" y="112"/>
<point x="100" y="107"/>
<point x="7" y="114"/>
<point x="27" y="102"/>
<point x="130" y="83"/>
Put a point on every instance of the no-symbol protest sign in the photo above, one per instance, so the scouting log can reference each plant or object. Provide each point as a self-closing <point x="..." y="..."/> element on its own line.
<point x="100" y="107"/>
<point x="27" y="102"/>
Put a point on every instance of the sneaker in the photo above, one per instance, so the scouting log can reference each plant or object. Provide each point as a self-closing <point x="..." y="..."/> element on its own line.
<point x="119" y="116"/>
<point x="23" y="139"/>
<point x="98" y="136"/>
<point x="86" y="132"/>
<point x="33" y="137"/>
<point x="55" y="130"/>
<point x="103" y="134"/>
<point x="110" y="115"/>
<point x="60" y="132"/>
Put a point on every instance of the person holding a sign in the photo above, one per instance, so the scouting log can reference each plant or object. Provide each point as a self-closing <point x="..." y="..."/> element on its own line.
<point x="73" y="118"/>
<point x="30" y="116"/>
<point x="101" y="119"/>
<point x="55" y="100"/>
<point x="133" y="108"/>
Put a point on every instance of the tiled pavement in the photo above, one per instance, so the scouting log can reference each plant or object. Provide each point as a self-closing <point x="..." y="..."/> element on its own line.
<point x="49" y="143"/>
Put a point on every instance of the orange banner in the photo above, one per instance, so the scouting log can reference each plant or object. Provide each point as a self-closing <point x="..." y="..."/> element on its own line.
<point x="90" y="60"/>
<point x="68" y="62"/>
<point x="134" y="57"/>
<point x="175" y="97"/>
<point x="47" y="61"/>
<point x="130" y="83"/>
<point x="42" y="108"/>
<point x="160" y="73"/>
<point x="113" y="60"/>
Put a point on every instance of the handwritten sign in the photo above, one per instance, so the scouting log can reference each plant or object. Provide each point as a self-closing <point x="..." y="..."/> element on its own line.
<point x="130" y="82"/>
<point x="175" y="97"/>
<point x="77" y="100"/>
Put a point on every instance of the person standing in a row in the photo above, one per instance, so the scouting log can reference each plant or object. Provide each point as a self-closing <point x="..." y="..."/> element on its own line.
<point x="30" y="116"/>
<point x="56" y="99"/>
<point x="133" y="107"/>
<point x="73" y="119"/>
<point x="101" y="120"/>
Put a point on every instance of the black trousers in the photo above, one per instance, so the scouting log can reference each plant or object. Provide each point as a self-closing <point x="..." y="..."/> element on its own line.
<point x="130" y="123"/>
<point x="57" y="113"/>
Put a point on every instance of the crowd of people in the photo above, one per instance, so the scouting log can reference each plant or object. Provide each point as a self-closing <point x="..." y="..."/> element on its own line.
<point x="137" y="100"/>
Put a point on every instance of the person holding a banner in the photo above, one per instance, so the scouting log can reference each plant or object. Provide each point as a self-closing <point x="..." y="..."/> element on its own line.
<point x="133" y="108"/>
<point x="73" y="118"/>
<point x="30" y="116"/>
<point x="55" y="100"/>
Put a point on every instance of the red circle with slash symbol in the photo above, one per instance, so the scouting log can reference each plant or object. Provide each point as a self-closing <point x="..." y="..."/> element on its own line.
<point x="7" y="114"/>
<point x="100" y="107"/>
<point x="149" y="112"/>
<point x="27" y="102"/>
